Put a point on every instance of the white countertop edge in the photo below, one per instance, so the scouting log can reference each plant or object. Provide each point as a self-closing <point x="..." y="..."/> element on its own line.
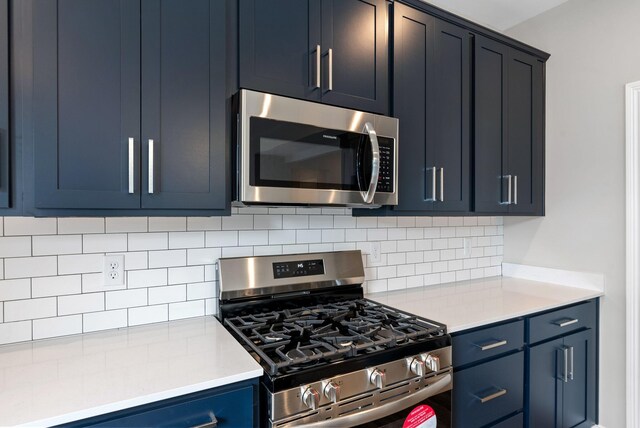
<point x="143" y="399"/>
<point x="569" y="278"/>
<point x="516" y="314"/>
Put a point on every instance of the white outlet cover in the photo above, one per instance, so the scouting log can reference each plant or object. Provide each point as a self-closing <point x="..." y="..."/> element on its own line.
<point x="374" y="252"/>
<point x="113" y="270"/>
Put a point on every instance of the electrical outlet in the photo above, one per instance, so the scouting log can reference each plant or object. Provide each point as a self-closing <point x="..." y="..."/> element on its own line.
<point x="113" y="270"/>
<point x="374" y="252"/>
<point x="467" y="247"/>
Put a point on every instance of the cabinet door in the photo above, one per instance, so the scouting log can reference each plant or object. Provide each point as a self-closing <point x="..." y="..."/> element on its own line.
<point x="491" y="59"/>
<point x="355" y="45"/>
<point x="183" y="104"/>
<point x="545" y="384"/>
<point x="4" y="104"/>
<point x="525" y="129"/>
<point x="86" y="102"/>
<point x="413" y="57"/>
<point x="278" y="42"/>
<point x="450" y="133"/>
<point x="579" y="396"/>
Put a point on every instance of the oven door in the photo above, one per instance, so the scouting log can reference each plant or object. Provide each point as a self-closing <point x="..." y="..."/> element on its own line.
<point x="429" y="407"/>
<point x="296" y="153"/>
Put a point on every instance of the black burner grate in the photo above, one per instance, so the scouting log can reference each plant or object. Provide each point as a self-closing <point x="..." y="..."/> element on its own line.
<point x="293" y="339"/>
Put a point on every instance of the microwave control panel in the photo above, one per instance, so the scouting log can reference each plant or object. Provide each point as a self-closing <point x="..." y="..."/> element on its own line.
<point x="385" y="180"/>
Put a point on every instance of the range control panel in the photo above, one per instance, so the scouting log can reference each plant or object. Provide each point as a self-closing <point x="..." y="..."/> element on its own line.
<point x="302" y="268"/>
<point x="385" y="180"/>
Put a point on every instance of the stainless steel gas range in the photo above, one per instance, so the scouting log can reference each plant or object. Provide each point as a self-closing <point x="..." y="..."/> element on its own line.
<point x="330" y="356"/>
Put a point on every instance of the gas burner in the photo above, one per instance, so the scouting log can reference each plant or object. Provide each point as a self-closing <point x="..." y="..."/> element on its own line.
<point x="298" y="353"/>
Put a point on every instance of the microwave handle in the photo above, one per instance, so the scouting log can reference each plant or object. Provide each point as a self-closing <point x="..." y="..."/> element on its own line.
<point x="375" y="164"/>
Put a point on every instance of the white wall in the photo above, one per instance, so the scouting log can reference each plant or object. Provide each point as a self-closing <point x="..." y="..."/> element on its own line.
<point x="595" y="51"/>
<point x="50" y="268"/>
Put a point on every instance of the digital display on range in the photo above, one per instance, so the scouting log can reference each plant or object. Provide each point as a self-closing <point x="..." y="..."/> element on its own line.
<point x="302" y="268"/>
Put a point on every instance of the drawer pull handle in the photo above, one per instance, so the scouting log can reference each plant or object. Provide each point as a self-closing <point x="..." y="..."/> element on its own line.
<point x="565" y="322"/>
<point x="492" y="345"/>
<point x="493" y="396"/>
<point x="211" y="424"/>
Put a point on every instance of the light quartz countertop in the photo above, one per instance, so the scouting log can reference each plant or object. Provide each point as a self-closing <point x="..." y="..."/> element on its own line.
<point x="468" y="304"/>
<point x="61" y="380"/>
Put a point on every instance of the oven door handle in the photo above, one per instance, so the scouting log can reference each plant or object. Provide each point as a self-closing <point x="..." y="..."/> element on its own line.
<point x="375" y="164"/>
<point x="443" y="384"/>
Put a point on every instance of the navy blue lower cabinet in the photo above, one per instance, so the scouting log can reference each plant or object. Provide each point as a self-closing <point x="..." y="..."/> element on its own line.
<point x="231" y="406"/>
<point x="4" y="104"/>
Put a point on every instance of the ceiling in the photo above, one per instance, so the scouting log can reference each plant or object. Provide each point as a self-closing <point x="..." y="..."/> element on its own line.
<point x="497" y="14"/>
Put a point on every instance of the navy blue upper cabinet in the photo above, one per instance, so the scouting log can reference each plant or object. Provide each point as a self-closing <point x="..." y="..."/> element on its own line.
<point x="334" y="51"/>
<point x="4" y="105"/>
<point x="183" y="104"/>
<point x="129" y="105"/>
<point x="432" y="78"/>
<point x="86" y="102"/>
<point x="509" y="130"/>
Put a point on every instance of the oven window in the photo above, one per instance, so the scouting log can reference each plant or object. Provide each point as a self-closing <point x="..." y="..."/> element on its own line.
<point x="292" y="155"/>
<point x="441" y="404"/>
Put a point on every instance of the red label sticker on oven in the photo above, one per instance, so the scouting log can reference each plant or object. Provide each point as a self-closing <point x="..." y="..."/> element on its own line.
<point x="422" y="416"/>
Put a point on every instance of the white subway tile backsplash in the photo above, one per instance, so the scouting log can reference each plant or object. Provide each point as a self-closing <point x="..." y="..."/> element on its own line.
<point x="29" y="226"/>
<point x="72" y="226"/>
<point x="27" y="267"/>
<point x="54" y="283"/>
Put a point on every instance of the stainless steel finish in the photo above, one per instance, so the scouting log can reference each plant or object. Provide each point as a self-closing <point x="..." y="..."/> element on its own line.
<point x="434" y="196"/>
<point x="515" y="190"/>
<point x="256" y="104"/>
<point x="311" y="398"/>
<point x="332" y="391"/>
<point x="318" y="65"/>
<point x="377" y="411"/>
<point x="565" y="322"/>
<point x="417" y="366"/>
<point x="487" y="398"/>
<point x="432" y="362"/>
<point x="570" y="362"/>
<point x="375" y="164"/>
<point x="151" y="166"/>
<point x="253" y="276"/>
<point x="442" y="184"/>
<point x="509" y="187"/>
<point x="565" y="373"/>
<point x="356" y="390"/>
<point x="330" y="69"/>
<point x="492" y="345"/>
<point x="211" y="424"/>
<point x="131" y="156"/>
<point x="378" y="378"/>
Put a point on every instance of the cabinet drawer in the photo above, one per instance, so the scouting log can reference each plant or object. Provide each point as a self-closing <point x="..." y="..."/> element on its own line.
<point x="562" y="321"/>
<point x="489" y="391"/>
<point x="488" y="342"/>
<point x="516" y="421"/>
<point x="231" y="409"/>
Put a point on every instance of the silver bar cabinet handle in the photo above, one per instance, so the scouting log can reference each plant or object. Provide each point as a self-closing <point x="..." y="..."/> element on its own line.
<point x="565" y="322"/>
<point x="434" y="196"/>
<point x="131" y="165"/>
<point x="318" y="65"/>
<point x="442" y="184"/>
<point x="212" y="424"/>
<point x="493" y="396"/>
<point x="565" y="374"/>
<point x="330" y="69"/>
<point x="151" y="151"/>
<point x="515" y="190"/>
<point x="493" y="345"/>
<point x="570" y="362"/>
<point x="509" y="178"/>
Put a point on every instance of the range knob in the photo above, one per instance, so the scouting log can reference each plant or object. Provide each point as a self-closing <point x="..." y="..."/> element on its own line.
<point x="377" y="377"/>
<point x="311" y="398"/>
<point x="332" y="391"/>
<point x="432" y="362"/>
<point x="417" y="366"/>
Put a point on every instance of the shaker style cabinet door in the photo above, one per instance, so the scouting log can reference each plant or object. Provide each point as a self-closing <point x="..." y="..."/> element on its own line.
<point x="355" y="61"/>
<point x="280" y="48"/>
<point x="491" y="186"/>
<point x="183" y="104"/>
<point x="525" y="130"/>
<point x="4" y="105"/>
<point x="86" y="103"/>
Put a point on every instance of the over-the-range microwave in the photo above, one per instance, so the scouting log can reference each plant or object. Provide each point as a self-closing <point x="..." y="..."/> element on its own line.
<point x="301" y="153"/>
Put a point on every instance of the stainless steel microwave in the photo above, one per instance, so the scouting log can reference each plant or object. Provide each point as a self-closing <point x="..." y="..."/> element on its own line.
<point x="293" y="152"/>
